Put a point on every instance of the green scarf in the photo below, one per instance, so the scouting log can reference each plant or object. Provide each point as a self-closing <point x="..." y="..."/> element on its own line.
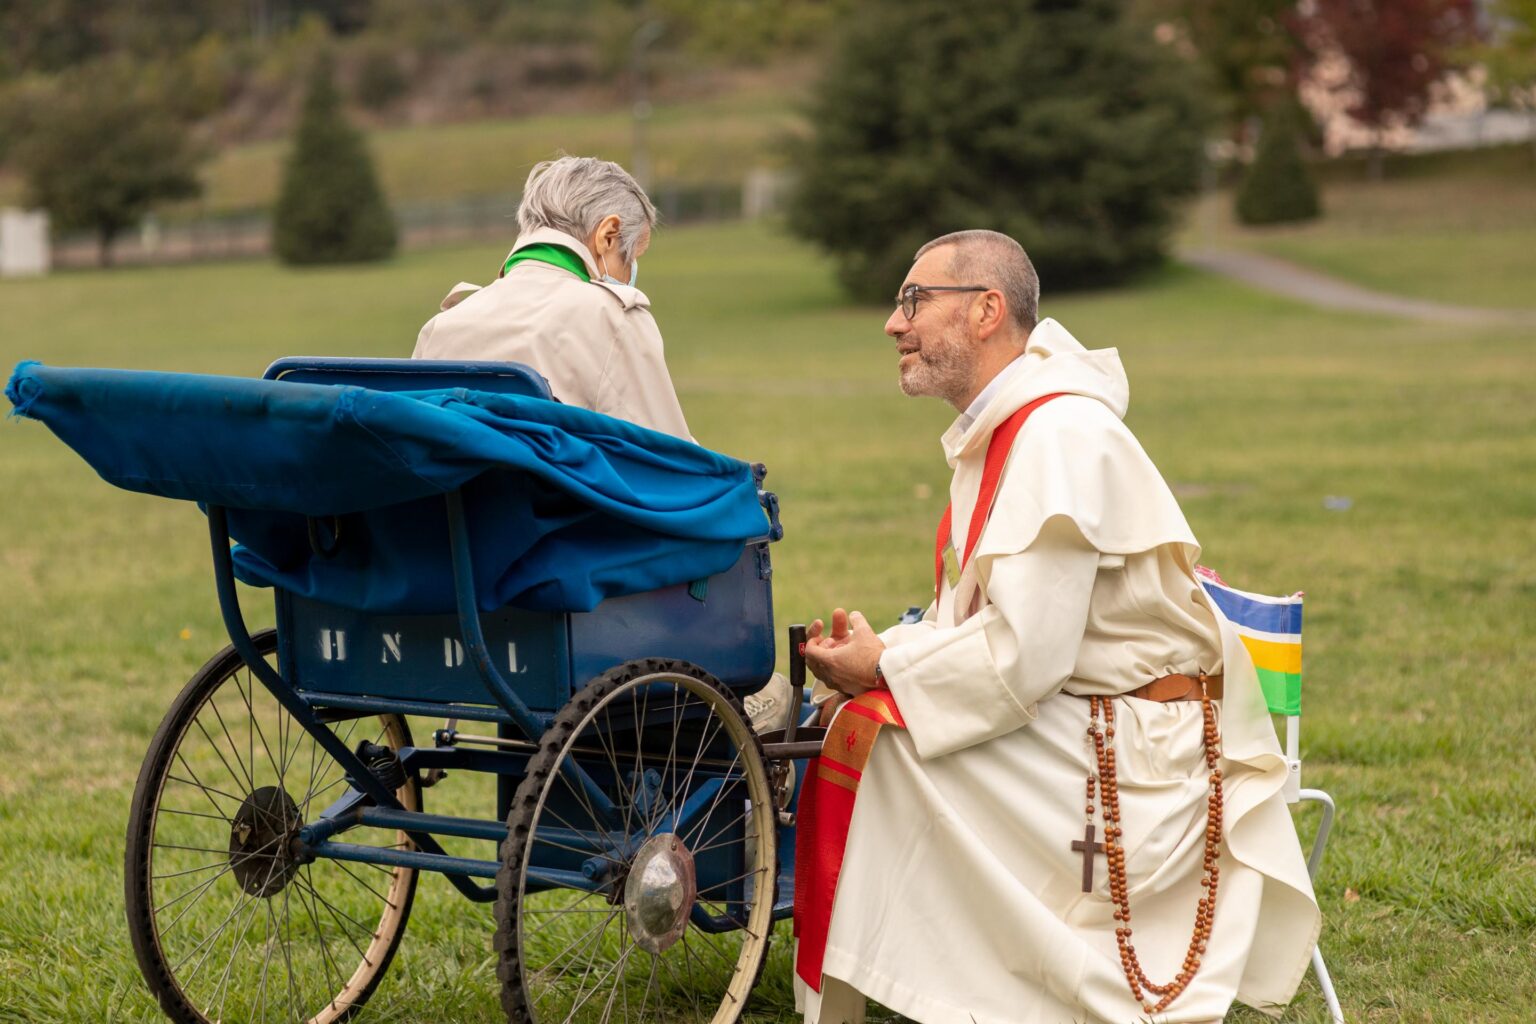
<point x="554" y="255"/>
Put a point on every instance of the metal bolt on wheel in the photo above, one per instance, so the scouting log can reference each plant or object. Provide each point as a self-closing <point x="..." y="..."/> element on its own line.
<point x="661" y="908"/>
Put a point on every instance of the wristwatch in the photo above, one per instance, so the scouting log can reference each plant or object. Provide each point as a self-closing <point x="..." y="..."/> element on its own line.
<point x="880" y="683"/>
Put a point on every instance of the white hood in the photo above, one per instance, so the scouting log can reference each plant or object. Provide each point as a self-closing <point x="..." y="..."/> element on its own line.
<point x="1055" y="362"/>
<point x="1074" y="458"/>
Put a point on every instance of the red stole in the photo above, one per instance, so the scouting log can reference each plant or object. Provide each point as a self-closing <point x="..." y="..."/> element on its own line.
<point x="827" y="795"/>
<point x="822" y="817"/>
<point x="991" y="472"/>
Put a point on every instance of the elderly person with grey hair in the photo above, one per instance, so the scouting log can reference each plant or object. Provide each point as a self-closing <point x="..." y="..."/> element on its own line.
<point x="565" y="302"/>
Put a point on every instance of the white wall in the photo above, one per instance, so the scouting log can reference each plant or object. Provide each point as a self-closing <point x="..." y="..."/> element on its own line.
<point x="24" y="249"/>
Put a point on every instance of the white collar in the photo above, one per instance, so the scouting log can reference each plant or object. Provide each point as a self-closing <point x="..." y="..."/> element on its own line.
<point x="989" y="392"/>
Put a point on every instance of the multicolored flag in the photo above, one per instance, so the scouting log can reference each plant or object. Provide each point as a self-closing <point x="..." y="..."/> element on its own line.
<point x="1271" y="630"/>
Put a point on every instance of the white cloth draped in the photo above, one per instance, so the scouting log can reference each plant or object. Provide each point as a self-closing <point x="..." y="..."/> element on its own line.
<point x="960" y="898"/>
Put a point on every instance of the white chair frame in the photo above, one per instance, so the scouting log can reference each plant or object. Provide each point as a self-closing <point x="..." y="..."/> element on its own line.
<point x="1294" y="794"/>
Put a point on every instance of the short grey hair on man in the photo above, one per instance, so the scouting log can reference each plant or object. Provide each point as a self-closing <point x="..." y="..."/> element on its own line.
<point x="997" y="261"/>
<point x="574" y="193"/>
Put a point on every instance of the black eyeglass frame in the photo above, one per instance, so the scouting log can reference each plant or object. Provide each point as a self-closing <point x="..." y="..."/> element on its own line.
<point x="907" y="298"/>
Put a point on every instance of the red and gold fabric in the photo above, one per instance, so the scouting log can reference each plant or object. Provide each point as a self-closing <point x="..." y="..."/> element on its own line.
<point x="825" y="810"/>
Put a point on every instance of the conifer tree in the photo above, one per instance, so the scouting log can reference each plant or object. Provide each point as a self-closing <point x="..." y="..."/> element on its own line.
<point x="1060" y="122"/>
<point x="331" y="209"/>
<point x="1278" y="188"/>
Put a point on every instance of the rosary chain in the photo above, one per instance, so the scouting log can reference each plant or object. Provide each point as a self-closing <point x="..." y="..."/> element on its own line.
<point x="1109" y="802"/>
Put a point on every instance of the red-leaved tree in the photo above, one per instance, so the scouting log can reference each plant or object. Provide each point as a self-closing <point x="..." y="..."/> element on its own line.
<point x="1397" y="50"/>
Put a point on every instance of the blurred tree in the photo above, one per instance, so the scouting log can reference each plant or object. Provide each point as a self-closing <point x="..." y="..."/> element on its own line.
<point x="551" y="21"/>
<point x="1252" y="48"/>
<point x="270" y="18"/>
<point x="1397" y="50"/>
<point x="200" y="80"/>
<point x="1509" y="57"/>
<point x="98" y="151"/>
<point x="752" y="30"/>
<point x="439" y="25"/>
<point x="344" y="17"/>
<point x="380" y="79"/>
<point x="1278" y="188"/>
<point x="51" y="36"/>
<point x="1063" y="124"/>
<point x="331" y="209"/>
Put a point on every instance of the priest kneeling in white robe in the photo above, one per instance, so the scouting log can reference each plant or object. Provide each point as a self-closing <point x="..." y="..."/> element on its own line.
<point x="975" y="884"/>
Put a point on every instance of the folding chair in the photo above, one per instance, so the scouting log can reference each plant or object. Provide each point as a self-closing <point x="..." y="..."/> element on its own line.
<point x="1271" y="630"/>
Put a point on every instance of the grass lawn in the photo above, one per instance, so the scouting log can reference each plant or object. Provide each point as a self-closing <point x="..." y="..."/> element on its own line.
<point x="1421" y="595"/>
<point x="1461" y="230"/>
<point x="718" y="139"/>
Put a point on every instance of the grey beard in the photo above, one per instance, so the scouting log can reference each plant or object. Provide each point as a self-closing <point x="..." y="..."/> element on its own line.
<point x="948" y="377"/>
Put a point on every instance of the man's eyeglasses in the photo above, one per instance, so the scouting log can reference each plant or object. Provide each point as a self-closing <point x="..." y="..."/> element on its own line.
<point x="909" y="296"/>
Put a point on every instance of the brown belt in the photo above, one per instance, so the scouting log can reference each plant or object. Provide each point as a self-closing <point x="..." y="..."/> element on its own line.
<point x="1177" y="687"/>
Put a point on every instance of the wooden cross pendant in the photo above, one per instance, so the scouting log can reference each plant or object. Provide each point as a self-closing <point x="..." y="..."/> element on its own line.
<point x="1087" y="847"/>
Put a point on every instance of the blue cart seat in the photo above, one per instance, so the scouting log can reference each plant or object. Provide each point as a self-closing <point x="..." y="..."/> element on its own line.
<point x="723" y="623"/>
<point x="411" y="374"/>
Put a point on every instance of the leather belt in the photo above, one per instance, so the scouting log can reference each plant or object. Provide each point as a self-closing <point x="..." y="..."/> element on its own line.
<point x="1177" y="687"/>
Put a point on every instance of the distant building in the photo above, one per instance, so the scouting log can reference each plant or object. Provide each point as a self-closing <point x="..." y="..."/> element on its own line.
<point x="1458" y="117"/>
<point x="24" y="248"/>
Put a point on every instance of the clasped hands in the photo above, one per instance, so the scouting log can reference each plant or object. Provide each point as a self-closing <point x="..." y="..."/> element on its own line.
<point x="846" y="658"/>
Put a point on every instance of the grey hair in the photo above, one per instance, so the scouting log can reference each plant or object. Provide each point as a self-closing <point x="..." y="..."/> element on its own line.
<point x="997" y="261"/>
<point x="574" y="193"/>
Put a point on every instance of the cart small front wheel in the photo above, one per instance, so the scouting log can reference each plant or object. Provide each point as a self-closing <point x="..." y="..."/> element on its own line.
<point x="229" y="922"/>
<point x="639" y="873"/>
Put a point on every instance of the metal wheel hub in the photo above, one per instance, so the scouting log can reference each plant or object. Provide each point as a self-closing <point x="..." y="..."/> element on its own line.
<point x="260" y="842"/>
<point x="659" y="892"/>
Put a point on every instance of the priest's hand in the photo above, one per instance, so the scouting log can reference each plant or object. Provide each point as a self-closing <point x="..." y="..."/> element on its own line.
<point x="846" y="659"/>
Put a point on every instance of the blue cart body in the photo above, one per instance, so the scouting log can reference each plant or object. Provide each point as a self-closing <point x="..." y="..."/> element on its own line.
<point x="444" y="540"/>
<point x="340" y="659"/>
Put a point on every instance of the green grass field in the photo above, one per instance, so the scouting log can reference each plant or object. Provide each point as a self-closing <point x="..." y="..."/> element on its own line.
<point x="1421" y="595"/>
<point x="1457" y="228"/>
<point x="717" y="139"/>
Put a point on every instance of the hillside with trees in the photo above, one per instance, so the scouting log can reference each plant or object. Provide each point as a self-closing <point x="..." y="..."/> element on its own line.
<point x="455" y="96"/>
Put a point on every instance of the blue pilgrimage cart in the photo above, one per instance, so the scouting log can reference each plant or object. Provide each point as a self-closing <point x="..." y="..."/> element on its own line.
<point x="581" y="601"/>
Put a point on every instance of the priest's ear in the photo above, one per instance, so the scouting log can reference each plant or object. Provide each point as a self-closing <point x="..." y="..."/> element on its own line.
<point x="990" y="313"/>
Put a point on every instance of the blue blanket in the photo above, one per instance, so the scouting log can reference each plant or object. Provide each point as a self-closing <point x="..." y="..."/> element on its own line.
<point x="565" y="507"/>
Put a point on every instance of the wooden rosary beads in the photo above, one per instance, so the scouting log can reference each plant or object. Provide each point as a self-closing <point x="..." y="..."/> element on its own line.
<point x="1109" y="802"/>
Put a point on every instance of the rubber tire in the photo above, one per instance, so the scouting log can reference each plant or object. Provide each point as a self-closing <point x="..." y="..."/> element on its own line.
<point x="509" y="969"/>
<point x="162" y="747"/>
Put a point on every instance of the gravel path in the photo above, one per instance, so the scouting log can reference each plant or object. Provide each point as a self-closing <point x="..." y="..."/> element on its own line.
<point x="1284" y="278"/>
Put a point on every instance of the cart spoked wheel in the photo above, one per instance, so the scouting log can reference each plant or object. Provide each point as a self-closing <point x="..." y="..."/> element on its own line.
<point x="228" y="924"/>
<point x="658" y="906"/>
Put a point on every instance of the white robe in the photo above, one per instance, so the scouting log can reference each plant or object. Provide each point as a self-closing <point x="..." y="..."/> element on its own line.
<point x="960" y="900"/>
<point x="595" y="341"/>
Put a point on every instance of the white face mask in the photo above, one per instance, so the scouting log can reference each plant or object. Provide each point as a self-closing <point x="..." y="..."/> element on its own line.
<point x="634" y="273"/>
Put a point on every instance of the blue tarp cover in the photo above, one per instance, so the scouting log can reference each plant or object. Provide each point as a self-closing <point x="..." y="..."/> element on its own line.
<point x="565" y="507"/>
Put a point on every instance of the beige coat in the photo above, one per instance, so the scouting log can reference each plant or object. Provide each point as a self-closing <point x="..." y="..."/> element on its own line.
<point x="960" y="900"/>
<point x="596" y="342"/>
